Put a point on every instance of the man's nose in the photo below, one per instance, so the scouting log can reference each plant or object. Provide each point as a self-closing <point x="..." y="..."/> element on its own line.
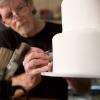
<point x="15" y="15"/>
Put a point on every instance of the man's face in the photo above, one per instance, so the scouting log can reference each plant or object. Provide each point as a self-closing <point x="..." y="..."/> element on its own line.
<point x="17" y="14"/>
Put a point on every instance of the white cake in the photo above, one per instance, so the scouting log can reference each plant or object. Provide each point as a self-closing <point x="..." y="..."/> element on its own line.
<point x="76" y="51"/>
<point x="80" y="14"/>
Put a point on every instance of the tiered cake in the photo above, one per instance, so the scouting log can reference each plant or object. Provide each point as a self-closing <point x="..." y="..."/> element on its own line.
<point x="76" y="51"/>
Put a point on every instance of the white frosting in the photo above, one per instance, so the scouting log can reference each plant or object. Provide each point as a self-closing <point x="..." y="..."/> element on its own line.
<point x="77" y="53"/>
<point x="77" y="49"/>
<point x="78" y="14"/>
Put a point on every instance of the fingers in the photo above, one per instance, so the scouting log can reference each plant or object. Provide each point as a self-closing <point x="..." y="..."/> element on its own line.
<point x="35" y="55"/>
<point x="36" y="61"/>
<point x="50" y="66"/>
<point x="39" y="70"/>
<point x="26" y="81"/>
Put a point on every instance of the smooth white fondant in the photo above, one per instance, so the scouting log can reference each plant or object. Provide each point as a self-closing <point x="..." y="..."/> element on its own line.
<point x="78" y="14"/>
<point x="77" y="53"/>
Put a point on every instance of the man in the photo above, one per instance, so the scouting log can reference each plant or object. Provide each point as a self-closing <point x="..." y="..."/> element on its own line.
<point x="25" y="27"/>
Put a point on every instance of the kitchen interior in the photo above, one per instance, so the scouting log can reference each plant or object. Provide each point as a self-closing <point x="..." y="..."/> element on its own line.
<point x="50" y="10"/>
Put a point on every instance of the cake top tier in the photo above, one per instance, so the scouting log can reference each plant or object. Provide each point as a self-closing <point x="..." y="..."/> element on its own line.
<point x="80" y="14"/>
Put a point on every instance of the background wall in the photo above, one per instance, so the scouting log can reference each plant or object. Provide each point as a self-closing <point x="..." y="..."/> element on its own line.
<point x="50" y="4"/>
<point x="49" y="10"/>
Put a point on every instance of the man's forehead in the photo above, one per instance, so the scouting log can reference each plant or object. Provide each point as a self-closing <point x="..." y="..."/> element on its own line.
<point x="10" y="5"/>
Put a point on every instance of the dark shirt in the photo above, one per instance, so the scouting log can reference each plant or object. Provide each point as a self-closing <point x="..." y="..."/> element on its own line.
<point x="50" y="87"/>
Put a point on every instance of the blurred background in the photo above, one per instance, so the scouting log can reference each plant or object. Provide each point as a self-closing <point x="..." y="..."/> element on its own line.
<point x="49" y="10"/>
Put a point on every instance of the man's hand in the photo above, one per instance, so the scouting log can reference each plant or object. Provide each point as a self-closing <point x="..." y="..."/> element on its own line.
<point x="26" y="81"/>
<point x="36" y="61"/>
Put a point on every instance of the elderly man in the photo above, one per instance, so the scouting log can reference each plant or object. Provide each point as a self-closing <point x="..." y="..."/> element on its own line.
<point x="23" y="26"/>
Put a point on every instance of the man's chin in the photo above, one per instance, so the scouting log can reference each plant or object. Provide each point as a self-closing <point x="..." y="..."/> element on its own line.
<point x="22" y="33"/>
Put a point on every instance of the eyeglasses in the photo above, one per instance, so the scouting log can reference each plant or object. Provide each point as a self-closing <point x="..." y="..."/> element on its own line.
<point x="21" y="9"/>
